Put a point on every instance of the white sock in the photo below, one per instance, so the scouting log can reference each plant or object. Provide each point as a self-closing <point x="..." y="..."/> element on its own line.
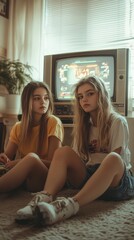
<point x="28" y="211"/>
<point x="58" y="210"/>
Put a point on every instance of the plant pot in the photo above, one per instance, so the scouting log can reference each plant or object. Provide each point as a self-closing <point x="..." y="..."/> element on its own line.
<point x="11" y="104"/>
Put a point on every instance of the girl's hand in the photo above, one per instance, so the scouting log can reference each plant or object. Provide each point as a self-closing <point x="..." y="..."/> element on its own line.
<point x="3" y="158"/>
<point x="11" y="164"/>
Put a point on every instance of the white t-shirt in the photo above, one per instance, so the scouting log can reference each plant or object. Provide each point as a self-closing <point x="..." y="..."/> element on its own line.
<point x="119" y="137"/>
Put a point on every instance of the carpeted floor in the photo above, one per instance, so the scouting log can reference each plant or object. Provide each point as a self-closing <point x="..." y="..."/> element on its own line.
<point x="98" y="220"/>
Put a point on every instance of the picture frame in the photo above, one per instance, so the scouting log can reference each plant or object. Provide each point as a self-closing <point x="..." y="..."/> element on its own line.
<point x="4" y="8"/>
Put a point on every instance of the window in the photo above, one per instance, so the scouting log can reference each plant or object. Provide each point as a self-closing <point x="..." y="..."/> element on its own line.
<point x="75" y="25"/>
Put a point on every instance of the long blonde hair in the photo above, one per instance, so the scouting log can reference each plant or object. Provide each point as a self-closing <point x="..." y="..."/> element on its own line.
<point x="82" y="123"/>
<point x="27" y="116"/>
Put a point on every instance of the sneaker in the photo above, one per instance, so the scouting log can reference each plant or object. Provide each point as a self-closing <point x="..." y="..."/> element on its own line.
<point x="27" y="213"/>
<point x="62" y="208"/>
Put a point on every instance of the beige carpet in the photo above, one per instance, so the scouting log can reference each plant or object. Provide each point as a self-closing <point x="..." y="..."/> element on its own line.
<point x="98" y="220"/>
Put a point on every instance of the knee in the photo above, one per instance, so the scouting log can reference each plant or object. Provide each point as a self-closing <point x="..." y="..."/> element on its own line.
<point x="115" y="156"/>
<point x="63" y="151"/>
<point x="113" y="159"/>
<point x="63" y="154"/>
<point x="33" y="157"/>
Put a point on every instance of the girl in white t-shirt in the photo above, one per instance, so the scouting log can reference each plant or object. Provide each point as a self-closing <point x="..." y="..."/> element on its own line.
<point x="98" y="164"/>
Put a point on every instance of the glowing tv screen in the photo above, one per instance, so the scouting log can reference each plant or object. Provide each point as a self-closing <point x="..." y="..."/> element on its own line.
<point x="68" y="71"/>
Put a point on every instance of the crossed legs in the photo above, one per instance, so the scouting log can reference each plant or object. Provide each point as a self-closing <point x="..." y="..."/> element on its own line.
<point x="30" y="170"/>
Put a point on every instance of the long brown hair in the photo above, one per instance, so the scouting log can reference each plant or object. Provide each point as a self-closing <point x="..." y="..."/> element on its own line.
<point x="82" y="123"/>
<point x="27" y="119"/>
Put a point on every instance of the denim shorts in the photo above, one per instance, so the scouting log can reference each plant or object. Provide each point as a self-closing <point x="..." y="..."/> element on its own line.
<point x="124" y="191"/>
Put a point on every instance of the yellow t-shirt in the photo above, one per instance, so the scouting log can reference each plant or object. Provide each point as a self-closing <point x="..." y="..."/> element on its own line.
<point x="54" y="128"/>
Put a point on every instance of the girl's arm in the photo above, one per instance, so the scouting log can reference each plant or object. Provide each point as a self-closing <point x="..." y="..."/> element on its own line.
<point x="9" y="152"/>
<point x="53" y="144"/>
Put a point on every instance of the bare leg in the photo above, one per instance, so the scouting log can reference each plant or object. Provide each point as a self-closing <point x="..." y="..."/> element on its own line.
<point x="108" y="174"/>
<point x="29" y="169"/>
<point x="65" y="165"/>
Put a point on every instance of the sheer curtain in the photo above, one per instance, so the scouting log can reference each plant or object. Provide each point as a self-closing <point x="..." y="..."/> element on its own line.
<point x="25" y="33"/>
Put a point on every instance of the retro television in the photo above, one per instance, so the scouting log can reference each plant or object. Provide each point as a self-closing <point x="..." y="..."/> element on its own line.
<point x="62" y="71"/>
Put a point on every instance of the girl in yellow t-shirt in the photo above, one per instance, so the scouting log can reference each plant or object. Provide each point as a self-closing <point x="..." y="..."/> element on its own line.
<point x="34" y="140"/>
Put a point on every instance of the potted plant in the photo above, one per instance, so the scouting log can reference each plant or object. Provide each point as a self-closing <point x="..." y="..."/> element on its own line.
<point x="14" y="75"/>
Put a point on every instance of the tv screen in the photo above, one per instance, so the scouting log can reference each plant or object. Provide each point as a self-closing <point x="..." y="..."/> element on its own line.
<point x="68" y="71"/>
